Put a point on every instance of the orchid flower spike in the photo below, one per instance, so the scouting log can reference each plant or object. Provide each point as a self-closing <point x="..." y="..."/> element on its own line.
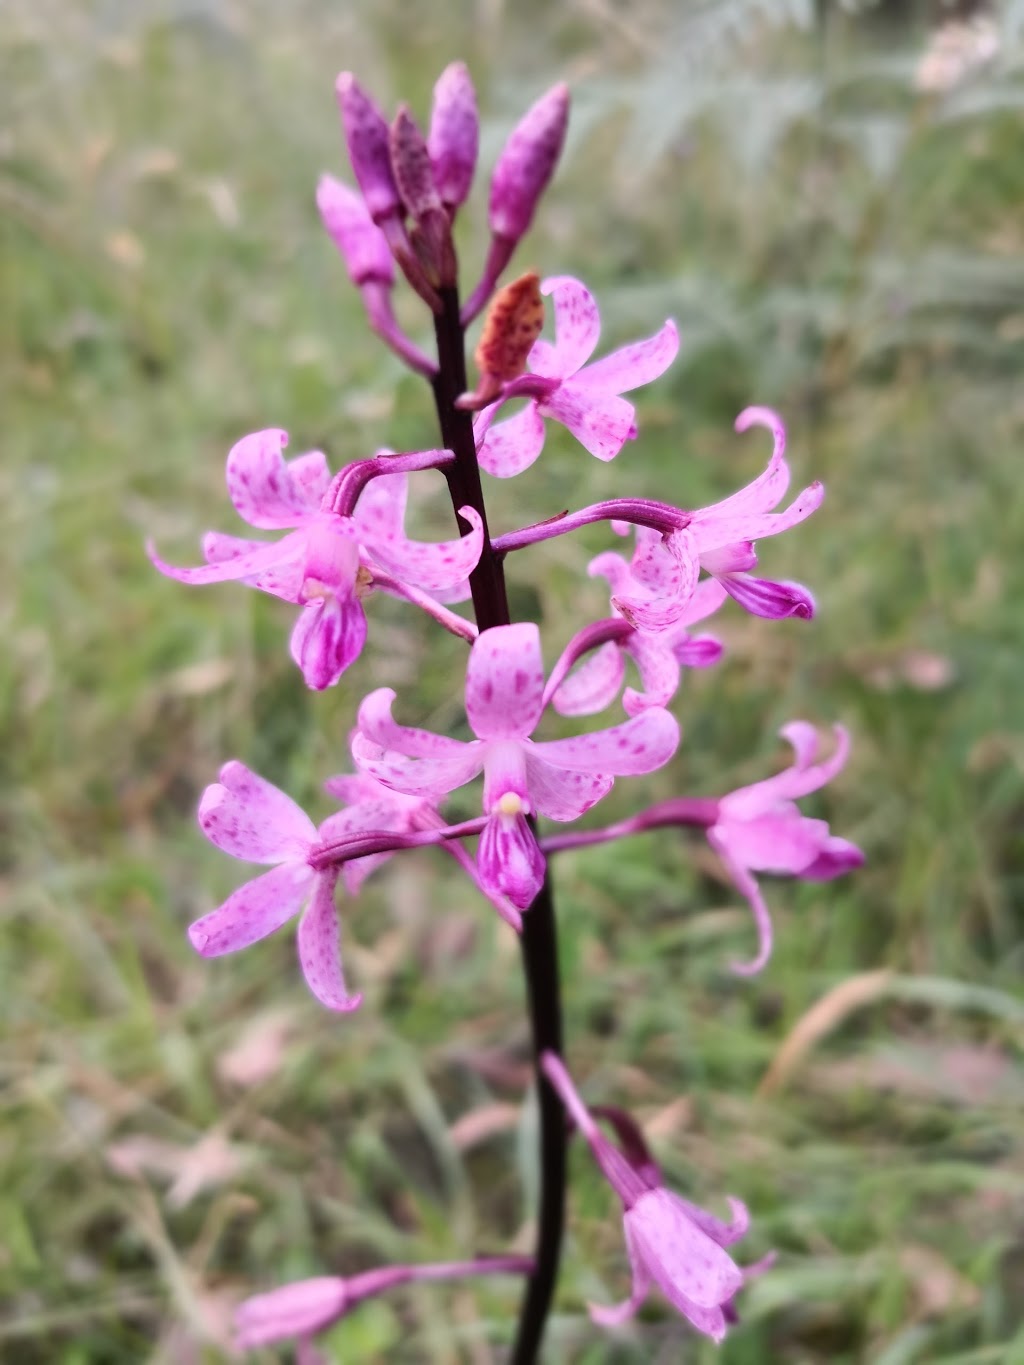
<point x="561" y="385"/>
<point x="760" y="829"/>
<point x="522" y="778"/>
<point x="327" y="563"/>
<point x="248" y="817"/>
<point x="671" y="1243"/>
<point x="310" y="1306"/>
<point x="653" y="589"/>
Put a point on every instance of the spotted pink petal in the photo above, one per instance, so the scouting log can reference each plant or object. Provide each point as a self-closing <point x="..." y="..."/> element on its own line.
<point x="431" y="778"/>
<point x="709" y="532"/>
<point x="594" y="684"/>
<point x="377" y="725"/>
<point x="268" y="491"/>
<point x="640" y="745"/>
<point x="253" y="911"/>
<point x="512" y="445"/>
<point x="283" y="580"/>
<point x="663" y="576"/>
<point x="505" y="682"/>
<point x="380" y="510"/>
<point x="612" y="567"/>
<point x="601" y="422"/>
<point x="725" y="1234"/>
<point x="250" y="818"/>
<point x="577" y="328"/>
<point x="562" y="794"/>
<point x="320" y="949"/>
<point x="769" y="488"/>
<point x="444" y="564"/>
<point x="659" y="673"/>
<point x="510" y="862"/>
<point x="704" y="601"/>
<point x="688" y="1266"/>
<point x="279" y="557"/>
<point x="633" y="365"/>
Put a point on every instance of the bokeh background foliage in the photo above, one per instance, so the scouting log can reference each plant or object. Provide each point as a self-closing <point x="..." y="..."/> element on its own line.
<point x="832" y="241"/>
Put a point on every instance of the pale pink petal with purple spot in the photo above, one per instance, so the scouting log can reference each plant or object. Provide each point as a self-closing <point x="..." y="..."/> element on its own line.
<point x="431" y="778"/>
<point x="704" y="601"/>
<point x="687" y="1265"/>
<point x="377" y="725"/>
<point x="319" y="942"/>
<point x="577" y="328"/>
<point x="601" y="422"/>
<point x="594" y="684"/>
<point x="283" y="580"/>
<point x="612" y="567"/>
<point x="711" y="532"/>
<point x="633" y="365"/>
<point x="638" y="746"/>
<point x="421" y="564"/>
<point x="512" y="445"/>
<point x="268" y="491"/>
<point x="505" y="682"/>
<point x="659" y="673"/>
<point x="562" y="794"/>
<point x="253" y="911"/>
<point x="250" y="818"/>
<point x="289" y="550"/>
<point x="380" y="510"/>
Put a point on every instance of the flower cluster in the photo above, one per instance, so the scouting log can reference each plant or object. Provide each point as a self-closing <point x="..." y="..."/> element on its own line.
<point x="344" y="538"/>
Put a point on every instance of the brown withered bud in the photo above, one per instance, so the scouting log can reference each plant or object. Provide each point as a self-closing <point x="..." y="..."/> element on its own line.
<point x="513" y="323"/>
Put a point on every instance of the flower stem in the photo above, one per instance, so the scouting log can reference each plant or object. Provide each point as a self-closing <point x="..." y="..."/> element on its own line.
<point x="538" y="940"/>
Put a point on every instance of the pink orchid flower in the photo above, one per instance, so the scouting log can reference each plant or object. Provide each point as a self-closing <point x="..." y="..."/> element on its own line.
<point x="327" y="562"/>
<point x="653" y="589"/>
<point x="760" y="829"/>
<point x="557" y="778"/>
<point x="671" y="1243"/>
<point x="248" y="817"/>
<point x="659" y="658"/>
<point x="585" y="398"/>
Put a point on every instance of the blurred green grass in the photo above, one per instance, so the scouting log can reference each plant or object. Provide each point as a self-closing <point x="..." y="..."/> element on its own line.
<point x="831" y="242"/>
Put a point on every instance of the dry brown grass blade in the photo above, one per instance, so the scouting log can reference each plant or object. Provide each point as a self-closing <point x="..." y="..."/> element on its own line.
<point x="819" y="1021"/>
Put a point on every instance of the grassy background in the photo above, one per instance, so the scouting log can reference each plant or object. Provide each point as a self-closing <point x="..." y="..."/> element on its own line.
<point x="179" y="1133"/>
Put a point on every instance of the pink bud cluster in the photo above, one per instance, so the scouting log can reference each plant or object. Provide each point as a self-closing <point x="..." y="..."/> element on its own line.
<point x="342" y="539"/>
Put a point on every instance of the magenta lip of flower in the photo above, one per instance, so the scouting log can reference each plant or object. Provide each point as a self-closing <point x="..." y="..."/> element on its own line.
<point x="522" y="777"/>
<point x="454" y="135"/>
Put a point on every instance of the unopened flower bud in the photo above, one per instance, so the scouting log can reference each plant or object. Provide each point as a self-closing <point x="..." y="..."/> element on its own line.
<point x="513" y="323"/>
<point x="454" y="134"/>
<point x="363" y="246"/>
<point x="366" y="133"/>
<point x="410" y="162"/>
<point x="527" y="162"/>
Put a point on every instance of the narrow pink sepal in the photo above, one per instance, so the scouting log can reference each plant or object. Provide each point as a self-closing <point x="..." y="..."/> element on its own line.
<point x="252" y="912"/>
<point x="320" y="949"/>
<point x="577" y="328"/>
<point x="434" y="567"/>
<point x="638" y="363"/>
<point x="512" y="445"/>
<point x="293" y="1310"/>
<point x="640" y="745"/>
<point x="592" y="686"/>
<point x="268" y="491"/>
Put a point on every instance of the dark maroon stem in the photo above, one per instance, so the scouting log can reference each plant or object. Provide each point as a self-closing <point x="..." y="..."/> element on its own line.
<point x="539" y="943"/>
